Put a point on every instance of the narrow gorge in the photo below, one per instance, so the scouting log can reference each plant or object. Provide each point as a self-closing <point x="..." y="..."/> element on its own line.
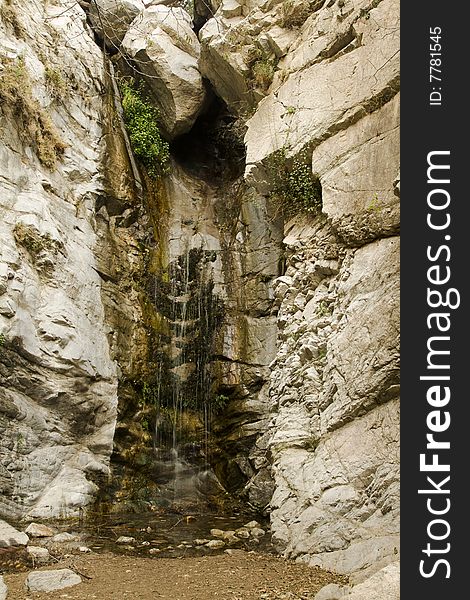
<point x="199" y="271"/>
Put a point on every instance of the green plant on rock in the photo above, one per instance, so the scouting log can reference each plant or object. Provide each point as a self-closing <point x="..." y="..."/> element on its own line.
<point x="219" y="403"/>
<point x="55" y="83"/>
<point x="294" y="14"/>
<point x="295" y="189"/>
<point x="262" y="67"/>
<point x="34" y="124"/>
<point x="141" y="120"/>
<point x="41" y="247"/>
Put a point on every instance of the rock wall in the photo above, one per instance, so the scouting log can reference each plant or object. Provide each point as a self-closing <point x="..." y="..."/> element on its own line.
<point x="58" y="380"/>
<point x="307" y="350"/>
<point x="324" y="80"/>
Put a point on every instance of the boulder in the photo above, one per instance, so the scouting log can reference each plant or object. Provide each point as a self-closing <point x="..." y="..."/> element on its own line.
<point x="111" y="19"/>
<point x="49" y="581"/>
<point x="11" y="537"/>
<point x="166" y="50"/>
<point x="332" y="591"/>
<point x="383" y="585"/>
<point x="38" y="530"/>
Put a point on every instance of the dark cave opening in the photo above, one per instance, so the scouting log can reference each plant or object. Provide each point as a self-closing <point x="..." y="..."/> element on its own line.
<point x="213" y="150"/>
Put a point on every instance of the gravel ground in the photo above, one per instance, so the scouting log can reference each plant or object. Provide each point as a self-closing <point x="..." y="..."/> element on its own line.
<point x="239" y="576"/>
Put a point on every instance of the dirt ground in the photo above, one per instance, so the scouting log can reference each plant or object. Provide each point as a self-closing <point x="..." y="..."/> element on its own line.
<point x="240" y="576"/>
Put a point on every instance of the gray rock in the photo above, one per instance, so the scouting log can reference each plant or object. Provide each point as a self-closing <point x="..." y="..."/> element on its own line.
<point x="10" y="537"/>
<point x="3" y="589"/>
<point x="215" y="544"/>
<point x="252" y="525"/>
<point x="200" y="542"/>
<point x="167" y="49"/>
<point x="257" y="532"/>
<point x="38" y="530"/>
<point x="217" y="533"/>
<point x="124" y="539"/>
<point x="242" y="533"/>
<point x="49" y="581"/>
<point x="332" y="591"/>
<point x="65" y="537"/>
<point x="111" y="19"/>
<point x="39" y="554"/>
<point x="383" y="585"/>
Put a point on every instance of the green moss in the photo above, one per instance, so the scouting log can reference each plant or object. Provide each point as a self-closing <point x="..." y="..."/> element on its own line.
<point x="141" y="120"/>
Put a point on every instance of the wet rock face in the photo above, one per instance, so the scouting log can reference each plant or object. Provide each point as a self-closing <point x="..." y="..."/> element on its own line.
<point x="323" y="86"/>
<point x="58" y="381"/>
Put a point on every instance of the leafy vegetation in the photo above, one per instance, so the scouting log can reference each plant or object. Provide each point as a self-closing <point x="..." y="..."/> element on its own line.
<point x="34" y="124"/>
<point x="295" y="188"/>
<point x="294" y="14"/>
<point x="141" y="119"/>
<point x="262" y="67"/>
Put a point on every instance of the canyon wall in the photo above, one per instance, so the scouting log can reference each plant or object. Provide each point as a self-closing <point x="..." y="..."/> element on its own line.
<point x="304" y="350"/>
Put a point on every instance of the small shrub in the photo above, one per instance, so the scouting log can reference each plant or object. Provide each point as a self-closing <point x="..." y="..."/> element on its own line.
<point x="219" y="403"/>
<point x="262" y="67"/>
<point x="294" y="14"/>
<point x="141" y="119"/>
<point x="35" y="125"/>
<point x="295" y="188"/>
<point x="55" y="83"/>
<point x="41" y="247"/>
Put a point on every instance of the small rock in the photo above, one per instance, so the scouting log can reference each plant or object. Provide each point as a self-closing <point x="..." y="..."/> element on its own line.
<point x="333" y="591"/>
<point x="242" y="533"/>
<point x="38" y="554"/>
<point x="84" y="549"/>
<point x="217" y="533"/>
<point x="64" y="537"/>
<point x="10" y="537"/>
<point x="234" y="552"/>
<point x="257" y="532"/>
<point x="252" y="525"/>
<point x="200" y="542"/>
<point x="38" y="530"/>
<point x="145" y="543"/>
<point x="3" y="589"/>
<point x="154" y="551"/>
<point x="49" y="581"/>
<point x="215" y="544"/>
<point x="124" y="539"/>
